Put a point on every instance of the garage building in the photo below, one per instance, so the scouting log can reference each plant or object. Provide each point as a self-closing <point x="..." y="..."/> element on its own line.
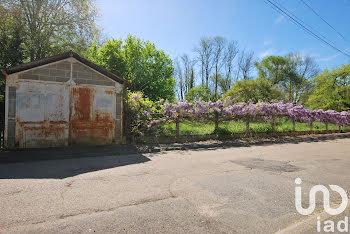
<point x="62" y="100"/>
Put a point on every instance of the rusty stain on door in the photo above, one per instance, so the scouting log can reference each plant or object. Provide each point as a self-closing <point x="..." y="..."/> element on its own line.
<point x="59" y="114"/>
<point x="90" y="123"/>
<point x="44" y="133"/>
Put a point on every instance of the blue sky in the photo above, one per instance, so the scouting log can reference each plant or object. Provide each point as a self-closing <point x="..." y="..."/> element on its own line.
<point x="176" y="26"/>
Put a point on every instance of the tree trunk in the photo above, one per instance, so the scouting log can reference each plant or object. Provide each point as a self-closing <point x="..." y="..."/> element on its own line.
<point x="247" y="129"/>
<point x="202" y="70"/>
<point x="311" y="127"/>
<point x="273" y="125"/>
<point x="191" y="80"/>
<point x="206" y="75"/>
<point x="216" y="81"/>
<point x="326" y="126"/>
<point x="216" y="123"/>
<point x="293" y="122"/>
<point x="177" y="128"/>
<point x="290" y="92"/>
<point x="181" y="93"/>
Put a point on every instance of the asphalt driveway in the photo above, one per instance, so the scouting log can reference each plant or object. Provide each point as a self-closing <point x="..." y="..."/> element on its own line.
<point x="232" y="190"/>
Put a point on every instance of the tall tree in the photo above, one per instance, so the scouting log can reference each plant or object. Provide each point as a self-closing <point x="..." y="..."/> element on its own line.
<point x="246" y="64"/>
<point x="53" y="26"/>
<point x="291" y="73"/>
<point x="219" y="44"/>
<point x="332" y="90"/>
<point x="11" y="42"/>
<point x="239" y="64"/>
<point x="184" y="73"/>
<point x="224" y="83"/>
<point x="306" y="69"/>
<point x="191" y="84"/>
<point x="257" y="90"/>
<point x="205" y="54"/>
<point x="148" y="69"/>
<point x="11" y="38"/>
<point x="187" y="64"/>
<point x="179" y="79"/>
<point x="109" y="55"/>
<point x="230" y="54"/>
<point x="275" y="68"/>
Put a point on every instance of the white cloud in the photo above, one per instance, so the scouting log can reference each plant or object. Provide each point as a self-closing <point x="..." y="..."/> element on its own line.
<point x="266" y="53"/>
<point x="328" y="58"/>
<point x="310" y="52"/>
<point x="279" y="19"/>
<point x="331" y="57"/>
<point x="267" y="42"/>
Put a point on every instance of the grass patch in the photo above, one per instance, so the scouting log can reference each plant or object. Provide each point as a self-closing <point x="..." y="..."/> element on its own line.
<point x="230" y="127"/>
<point x="187" y="128"/>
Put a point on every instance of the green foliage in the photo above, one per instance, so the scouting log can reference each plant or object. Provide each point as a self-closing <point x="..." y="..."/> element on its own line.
<point x="11" y="39"/>
<point x="275" y="68"/>
<point x="187" y="128"/>
<point x="332" y="90"/>
<point x="138" y="112"/>
<point x="148" y="69"/>
<point x="232" y="127"/>
<point x="224" y="85"/>
<point x="291" y="74"/>
<point x="255" y="90"/>
<point x="197" y="93"/>
<point x="46" y="27"/>
<point x="11" y="43"/>
<point x="110" y="56"/>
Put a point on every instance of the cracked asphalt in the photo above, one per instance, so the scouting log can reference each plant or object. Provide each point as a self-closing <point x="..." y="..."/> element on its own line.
<point x="233" y="190"/>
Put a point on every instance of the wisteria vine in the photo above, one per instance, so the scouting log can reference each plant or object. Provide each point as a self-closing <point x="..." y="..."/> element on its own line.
<point x="228" y="110"/>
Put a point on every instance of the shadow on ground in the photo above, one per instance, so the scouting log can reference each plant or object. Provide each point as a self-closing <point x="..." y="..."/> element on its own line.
<point x="65" y="162"/>
<point x="246" y="142"/>
<point x="65" y="152"/>
<point x="61" y="163"/>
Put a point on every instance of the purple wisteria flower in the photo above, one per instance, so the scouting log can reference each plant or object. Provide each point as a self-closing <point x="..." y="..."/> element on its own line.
<point x="225" y="110"/>
<point x="135" y="97"/>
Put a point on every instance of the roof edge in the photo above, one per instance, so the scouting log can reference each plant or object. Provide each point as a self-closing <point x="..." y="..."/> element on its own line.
<point x="55" y="58"/>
